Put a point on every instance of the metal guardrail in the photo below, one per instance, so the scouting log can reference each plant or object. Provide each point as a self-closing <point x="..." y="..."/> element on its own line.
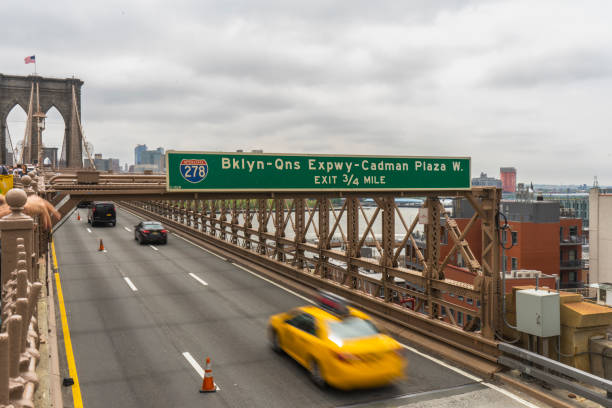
<point x="574" y="263"/>
<point x="556" y="373"/>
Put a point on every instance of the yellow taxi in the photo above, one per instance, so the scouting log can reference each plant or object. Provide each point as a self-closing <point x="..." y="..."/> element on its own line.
<point x="340" y="346"/>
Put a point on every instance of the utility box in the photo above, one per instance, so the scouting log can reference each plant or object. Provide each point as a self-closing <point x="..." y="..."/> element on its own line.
<point x="538" y="312"/>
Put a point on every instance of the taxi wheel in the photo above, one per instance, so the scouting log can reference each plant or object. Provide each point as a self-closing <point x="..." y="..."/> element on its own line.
<point x="274" y="341"/>
<point x="315" y="374"/>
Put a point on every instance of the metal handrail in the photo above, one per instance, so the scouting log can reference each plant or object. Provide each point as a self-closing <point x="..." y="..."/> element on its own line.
<point x="552" y="372"/>
<point x="572" y="263"/>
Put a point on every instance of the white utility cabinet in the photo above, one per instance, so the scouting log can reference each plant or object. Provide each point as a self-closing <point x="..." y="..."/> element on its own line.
<point x="538" y="312"/>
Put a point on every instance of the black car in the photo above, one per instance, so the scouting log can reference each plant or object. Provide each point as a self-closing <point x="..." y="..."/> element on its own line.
<point x="84" y="204"/>
<point x="150" y="231"/>
<point x="102" y="212"/>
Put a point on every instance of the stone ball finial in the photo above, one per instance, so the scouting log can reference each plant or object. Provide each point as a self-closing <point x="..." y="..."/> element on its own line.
<point x="16" y="198"/>
<point x="26" y="180"/>
<point x="32" y="174"/>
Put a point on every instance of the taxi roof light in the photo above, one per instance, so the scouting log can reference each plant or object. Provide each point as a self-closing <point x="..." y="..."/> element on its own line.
<point x="333" y="303"/>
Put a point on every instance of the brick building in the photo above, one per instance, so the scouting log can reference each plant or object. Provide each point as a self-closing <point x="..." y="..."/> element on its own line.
<point x="508" y="179"/>
<point x="537" y="239"/>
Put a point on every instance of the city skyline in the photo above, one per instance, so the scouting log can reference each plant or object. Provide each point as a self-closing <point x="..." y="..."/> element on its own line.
<point x="419" y="79"/>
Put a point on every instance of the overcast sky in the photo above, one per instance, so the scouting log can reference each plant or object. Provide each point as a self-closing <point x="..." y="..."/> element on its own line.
<point x="509" y="83"/>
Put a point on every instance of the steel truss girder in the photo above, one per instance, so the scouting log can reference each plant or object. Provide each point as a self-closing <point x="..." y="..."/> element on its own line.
<point x="474" y="342"/>
<point x="342" y="262"/>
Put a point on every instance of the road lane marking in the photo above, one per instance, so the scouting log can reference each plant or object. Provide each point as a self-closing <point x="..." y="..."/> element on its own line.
<point x="130" y="284"/>
<point x="435" y="360"/>
<point x="53" y="255"/>
<point x="88" y="230"/>
<point x="72" y="371"/>
<point x="201" y="247"/>
<point x="153" y="248"/>
<point x="470" y="376"/>
<point x="127" y="229"/>
<point x="197" y="367"/>
<point x="193" y="275"/>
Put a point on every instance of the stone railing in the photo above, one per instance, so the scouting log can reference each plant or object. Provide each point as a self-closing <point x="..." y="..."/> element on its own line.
<point x="24" y="222"/>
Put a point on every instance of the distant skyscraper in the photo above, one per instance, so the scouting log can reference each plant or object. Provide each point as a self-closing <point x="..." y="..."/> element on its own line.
<point x="483" y="180"/>
<point x="138" y="153"/>
<point x="508" y="178"/>
<point x="154" y="158"/>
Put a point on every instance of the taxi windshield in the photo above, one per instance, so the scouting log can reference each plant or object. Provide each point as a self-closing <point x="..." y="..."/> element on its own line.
<point x="351" y="328"/>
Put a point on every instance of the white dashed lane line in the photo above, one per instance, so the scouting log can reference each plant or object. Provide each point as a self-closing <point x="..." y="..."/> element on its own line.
<point x="89" y="230"/>
<point x="130" y="284"/>
<point x="127" y="229"/>
<point x="196" y="366"/>
<point x="153" y="248"/>
<point x="194" y="276"/>
<point x="200" y="371"/>
<point x="435" y="360"/>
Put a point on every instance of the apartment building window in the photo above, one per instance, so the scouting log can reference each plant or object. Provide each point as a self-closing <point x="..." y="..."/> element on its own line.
<point x="460" y="318"/>
<point x="514" y="237"/>
<point x="460" y="260"/>
<point x="561" y="233"/>
<point x="460" y="298"/>
<point x="478" y="303"/>
<point x="443" y="312"/>
<point x="571" y="276"/>
<point x="444" y="236"/>
<point x="514" y="263"/>
<point x="470" y="301"/>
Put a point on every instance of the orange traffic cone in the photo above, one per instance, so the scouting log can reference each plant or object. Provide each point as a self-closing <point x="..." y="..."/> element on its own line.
<point x="101" y="246"/>
<point x="78" y="216"/>
<point x="208" y="384"/>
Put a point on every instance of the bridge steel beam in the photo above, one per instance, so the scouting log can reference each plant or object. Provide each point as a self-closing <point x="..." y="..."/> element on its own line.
<point x="320" y="253"/>
<point x="415" y="290"/>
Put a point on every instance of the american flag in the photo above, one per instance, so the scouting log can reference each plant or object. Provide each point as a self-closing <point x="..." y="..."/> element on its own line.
<point x="30" y="60"/>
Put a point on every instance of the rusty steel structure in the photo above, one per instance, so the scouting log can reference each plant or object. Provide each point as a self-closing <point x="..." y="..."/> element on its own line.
<point x="317" y="239"/>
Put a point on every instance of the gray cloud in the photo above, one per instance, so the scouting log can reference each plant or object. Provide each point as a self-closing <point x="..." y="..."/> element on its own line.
<point x="564" y="68"/>
<point x="409" y="78"/>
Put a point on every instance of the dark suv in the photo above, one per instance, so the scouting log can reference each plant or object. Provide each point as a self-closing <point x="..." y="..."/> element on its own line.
<point x="102" y="212"/>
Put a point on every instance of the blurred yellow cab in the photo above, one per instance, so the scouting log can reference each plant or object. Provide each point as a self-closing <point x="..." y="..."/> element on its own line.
<point x="339" y="345"/>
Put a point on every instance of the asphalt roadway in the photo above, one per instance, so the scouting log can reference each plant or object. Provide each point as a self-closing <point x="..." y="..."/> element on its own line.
<point x="143" y="319"/>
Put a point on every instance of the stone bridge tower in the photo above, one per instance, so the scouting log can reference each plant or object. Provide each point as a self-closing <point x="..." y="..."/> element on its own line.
<point x="16" y="90"/>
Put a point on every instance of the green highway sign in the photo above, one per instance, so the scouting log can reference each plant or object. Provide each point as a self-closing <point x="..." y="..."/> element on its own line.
<point x="215" y="171"/>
